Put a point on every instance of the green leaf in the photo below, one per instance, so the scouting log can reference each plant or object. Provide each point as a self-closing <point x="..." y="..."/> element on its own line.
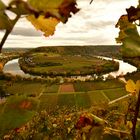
<point x="128" y="36"/>
<point x="5" y="22"/>
<point x="21" y="7"/>
<point x="2" y="5"/>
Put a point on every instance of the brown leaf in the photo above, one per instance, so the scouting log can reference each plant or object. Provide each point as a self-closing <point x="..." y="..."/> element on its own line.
<point x="133" y="13"/>
<point x="67" y="7"/>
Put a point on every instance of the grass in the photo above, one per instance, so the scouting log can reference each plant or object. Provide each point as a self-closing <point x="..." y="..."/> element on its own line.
<point x="83" y="100"/>
<point x="97" y="85"/>
<point x="97" y="97"/>
<point x="80" y="87"/>
<point x="25" y="88"/>
<point x="113" y="94"/>
<point x="66" y="100"/>
<point x="48" y="102"/>
<point x="51" y="88"/>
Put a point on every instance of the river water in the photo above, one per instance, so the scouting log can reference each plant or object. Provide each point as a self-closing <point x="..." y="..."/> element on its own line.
<point x="124" y="68"/>
<point x="13" y="68"/>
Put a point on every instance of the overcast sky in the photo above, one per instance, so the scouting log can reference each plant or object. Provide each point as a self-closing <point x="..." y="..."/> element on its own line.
<point x="93" y="25"/>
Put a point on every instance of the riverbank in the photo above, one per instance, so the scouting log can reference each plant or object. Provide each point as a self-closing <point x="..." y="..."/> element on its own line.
<point x="7" y="56"/>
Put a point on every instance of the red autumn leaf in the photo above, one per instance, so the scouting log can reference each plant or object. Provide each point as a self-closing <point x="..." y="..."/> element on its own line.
<point x="17" y="130"/>
<point x="82" y="122"/>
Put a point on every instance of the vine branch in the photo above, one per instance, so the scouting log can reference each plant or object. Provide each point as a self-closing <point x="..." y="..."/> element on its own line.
<point x="7" y="32"/>
<point x="135" y="117"/>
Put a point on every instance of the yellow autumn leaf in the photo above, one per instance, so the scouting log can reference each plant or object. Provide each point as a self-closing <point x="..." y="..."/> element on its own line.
<point x="129" y="124"/>
<point x="61" y="9"/>
<point x="130" y="86"/>
<point x="46" y="25"/>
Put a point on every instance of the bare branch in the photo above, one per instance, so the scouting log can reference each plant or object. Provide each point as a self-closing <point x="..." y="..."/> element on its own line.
<point x="91" y="1"/>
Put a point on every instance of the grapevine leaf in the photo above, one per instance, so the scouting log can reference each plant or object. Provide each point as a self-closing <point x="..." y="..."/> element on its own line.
<point x="129" y="124"/>
<point x="133" y="13"/>
<point x="129" y="37"/>
<point x="45" y="25"/>
<point x="61" y="9"/>
<point x="21" y="7"/>
<point x="2" y="6"/>
<point x="5" y="22"/>
<point x="87" y="120"/>
<point x="66" y="8"/>
<point x="130" y="86"/>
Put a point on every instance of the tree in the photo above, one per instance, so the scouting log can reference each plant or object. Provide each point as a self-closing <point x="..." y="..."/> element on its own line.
<point x="41" y="14"/>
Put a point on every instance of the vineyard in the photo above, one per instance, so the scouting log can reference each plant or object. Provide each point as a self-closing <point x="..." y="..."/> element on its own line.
<point x="35" y="96"/>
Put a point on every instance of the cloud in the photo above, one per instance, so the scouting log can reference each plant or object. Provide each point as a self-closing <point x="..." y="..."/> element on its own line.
<point x="94" y="24"/>
<point x="25" y="32"/>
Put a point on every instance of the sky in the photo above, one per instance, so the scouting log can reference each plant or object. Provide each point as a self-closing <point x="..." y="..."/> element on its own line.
<point x="93" y="25"/>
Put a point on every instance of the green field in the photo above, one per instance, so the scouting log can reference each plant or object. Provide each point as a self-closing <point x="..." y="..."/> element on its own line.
<point x="25" y="88"/>
<point x="51" y="88"/>
<point x="65" y="65"/>
<point x="97" y="85"/>
<point x="48" y="102"/>
<point x="113" y="94"/>
<point x="97" y="97"/>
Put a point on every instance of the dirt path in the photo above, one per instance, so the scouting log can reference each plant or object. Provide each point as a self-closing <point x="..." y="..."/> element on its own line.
<point x="42" y="91"/>
<point x="105" y="96"/>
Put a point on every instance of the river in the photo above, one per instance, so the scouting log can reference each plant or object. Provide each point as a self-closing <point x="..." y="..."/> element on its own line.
<point x="124" y="68"/>
<point x="13" y="68"/>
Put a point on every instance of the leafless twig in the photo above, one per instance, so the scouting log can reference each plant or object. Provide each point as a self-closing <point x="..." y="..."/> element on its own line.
<point x="91" y="1"/>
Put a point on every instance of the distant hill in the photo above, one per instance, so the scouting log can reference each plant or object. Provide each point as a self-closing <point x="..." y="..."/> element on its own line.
<point x="100" y="50"/>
